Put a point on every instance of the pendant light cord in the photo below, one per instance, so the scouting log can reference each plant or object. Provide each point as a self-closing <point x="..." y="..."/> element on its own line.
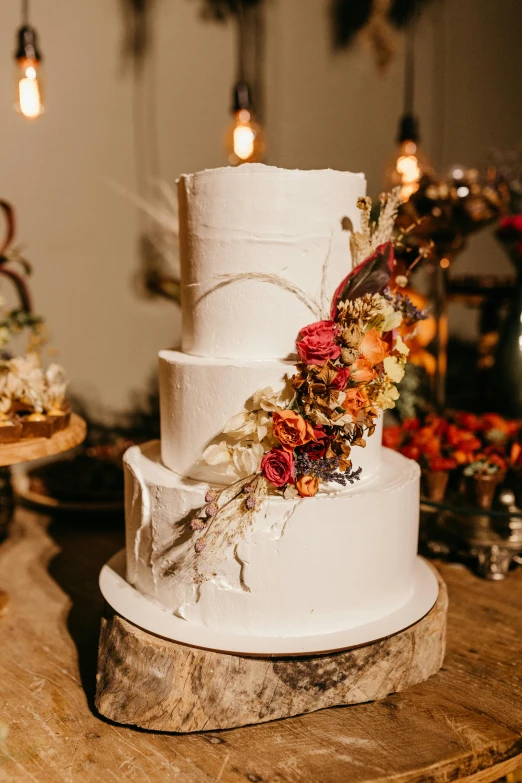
<point x="241" y="39"/>
<point x="25" y="13"/>
<point x="409" y="68"/>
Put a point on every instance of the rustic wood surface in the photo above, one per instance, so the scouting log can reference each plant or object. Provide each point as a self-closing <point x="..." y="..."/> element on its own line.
<point x="464" y="721"/>
<point x="154" y="683"/>
<point x="35" y="448"/>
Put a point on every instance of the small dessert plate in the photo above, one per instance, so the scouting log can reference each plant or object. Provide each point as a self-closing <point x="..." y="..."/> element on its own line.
<point x="150" y="616"/>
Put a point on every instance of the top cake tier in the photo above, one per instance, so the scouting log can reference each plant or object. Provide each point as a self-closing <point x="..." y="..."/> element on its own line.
<point x="260" y="219"/>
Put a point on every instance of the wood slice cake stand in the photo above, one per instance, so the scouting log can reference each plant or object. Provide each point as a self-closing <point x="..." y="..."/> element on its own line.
<point x="155" y="683"/>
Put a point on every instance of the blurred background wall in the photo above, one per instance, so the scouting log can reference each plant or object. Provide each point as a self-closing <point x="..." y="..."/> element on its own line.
<point x="322" y="109"/>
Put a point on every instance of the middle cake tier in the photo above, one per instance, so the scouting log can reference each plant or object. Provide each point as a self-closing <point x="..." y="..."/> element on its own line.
<point x="198" y="396"/>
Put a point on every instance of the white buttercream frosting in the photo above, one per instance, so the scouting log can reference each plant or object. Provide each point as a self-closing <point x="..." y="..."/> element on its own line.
<point x="260" y="219"/>
<point x="310" y="566"/>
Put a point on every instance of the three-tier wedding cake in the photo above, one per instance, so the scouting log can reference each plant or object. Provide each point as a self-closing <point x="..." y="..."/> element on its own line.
<point x="270" y="507"/>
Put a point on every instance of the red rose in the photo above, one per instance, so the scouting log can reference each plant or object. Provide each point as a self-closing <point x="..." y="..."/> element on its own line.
<point x="277" y="466"/>
<point x="341" y="379"/>
<point x="316" y="449"/>
<point x="316" y="343"/>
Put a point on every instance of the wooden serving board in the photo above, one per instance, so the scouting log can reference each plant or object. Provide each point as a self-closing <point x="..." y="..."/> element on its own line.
<point x="154" y="683"/>
<point x="35" y="448"/>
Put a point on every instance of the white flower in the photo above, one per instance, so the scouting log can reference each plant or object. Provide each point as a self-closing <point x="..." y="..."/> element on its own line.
<point x="56" y="385"/>
<point x="269" y="400"/>
<point x="26" y="381"/>
<point x="393" y="369"/>
<point x="241" y="425"/>
<point x="247" y="459"/>
<point x="249" y="425"/>
<point x="217" y="454"/>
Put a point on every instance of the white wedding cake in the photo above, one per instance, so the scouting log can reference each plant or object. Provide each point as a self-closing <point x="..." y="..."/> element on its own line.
<point x="270" y="507"/>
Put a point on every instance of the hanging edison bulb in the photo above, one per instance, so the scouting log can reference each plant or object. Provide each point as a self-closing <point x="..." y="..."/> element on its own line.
<point x="29" y="99"/>
<point x="244" y="138"/>
<point x="408" y="164"/>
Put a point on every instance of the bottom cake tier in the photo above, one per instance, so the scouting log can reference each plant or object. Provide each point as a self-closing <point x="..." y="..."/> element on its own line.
<point x="307" y="566"/>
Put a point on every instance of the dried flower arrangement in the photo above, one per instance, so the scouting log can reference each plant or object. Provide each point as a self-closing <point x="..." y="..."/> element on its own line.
<point x="293" y="440"/>
<point x="32" y="399"/>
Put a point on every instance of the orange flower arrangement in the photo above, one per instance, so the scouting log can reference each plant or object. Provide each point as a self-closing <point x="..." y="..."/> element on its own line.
<point x="473" y="444"/>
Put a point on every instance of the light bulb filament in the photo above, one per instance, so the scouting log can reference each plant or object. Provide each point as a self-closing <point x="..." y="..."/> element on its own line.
<point x="244" y="137"/>
<point x="29" y="100"/>
<point x="409" y="169"/>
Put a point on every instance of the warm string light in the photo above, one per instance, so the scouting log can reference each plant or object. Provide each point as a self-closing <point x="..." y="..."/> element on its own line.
<point x="409" y="164"/>
<point x="244" y="139"/>
<point x="28" y="70"/>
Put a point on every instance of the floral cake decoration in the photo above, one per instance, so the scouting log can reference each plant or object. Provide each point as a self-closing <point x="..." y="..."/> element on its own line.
<point x="298" y="439"/>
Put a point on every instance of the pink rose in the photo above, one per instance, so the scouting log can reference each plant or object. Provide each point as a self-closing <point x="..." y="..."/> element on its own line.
<point x="277" y="466"/>
<point x="341" y="379"/>
<point x="316" y="343"/>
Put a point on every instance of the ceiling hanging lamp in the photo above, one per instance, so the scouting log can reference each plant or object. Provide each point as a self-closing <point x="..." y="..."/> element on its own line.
<point x="244" y="138"/>
<point x="28" y="70"/>
<point x="409" y="163"/>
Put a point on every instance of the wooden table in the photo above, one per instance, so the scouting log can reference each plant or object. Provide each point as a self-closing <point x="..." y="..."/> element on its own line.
<point x="464" y="723"/>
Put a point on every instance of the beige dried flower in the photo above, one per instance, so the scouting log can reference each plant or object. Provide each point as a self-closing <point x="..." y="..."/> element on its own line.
<point x="349" y="355"/>
<point x="371" y="235"/>
<point x="363" y="308"/>
<point x="352" y="336"/>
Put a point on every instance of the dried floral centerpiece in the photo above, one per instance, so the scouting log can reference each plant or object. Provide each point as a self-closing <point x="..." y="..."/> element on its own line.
<point x="32" y="399"/>
<point x="298" y="439"/>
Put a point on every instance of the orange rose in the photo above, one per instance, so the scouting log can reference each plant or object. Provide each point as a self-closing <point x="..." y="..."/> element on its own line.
<point x="362" y="371"/>
<point x="291" y="429"/>
<point x="373" y="348"/>
<point x="307" y="486"/>
<point x="355" y="400"/>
